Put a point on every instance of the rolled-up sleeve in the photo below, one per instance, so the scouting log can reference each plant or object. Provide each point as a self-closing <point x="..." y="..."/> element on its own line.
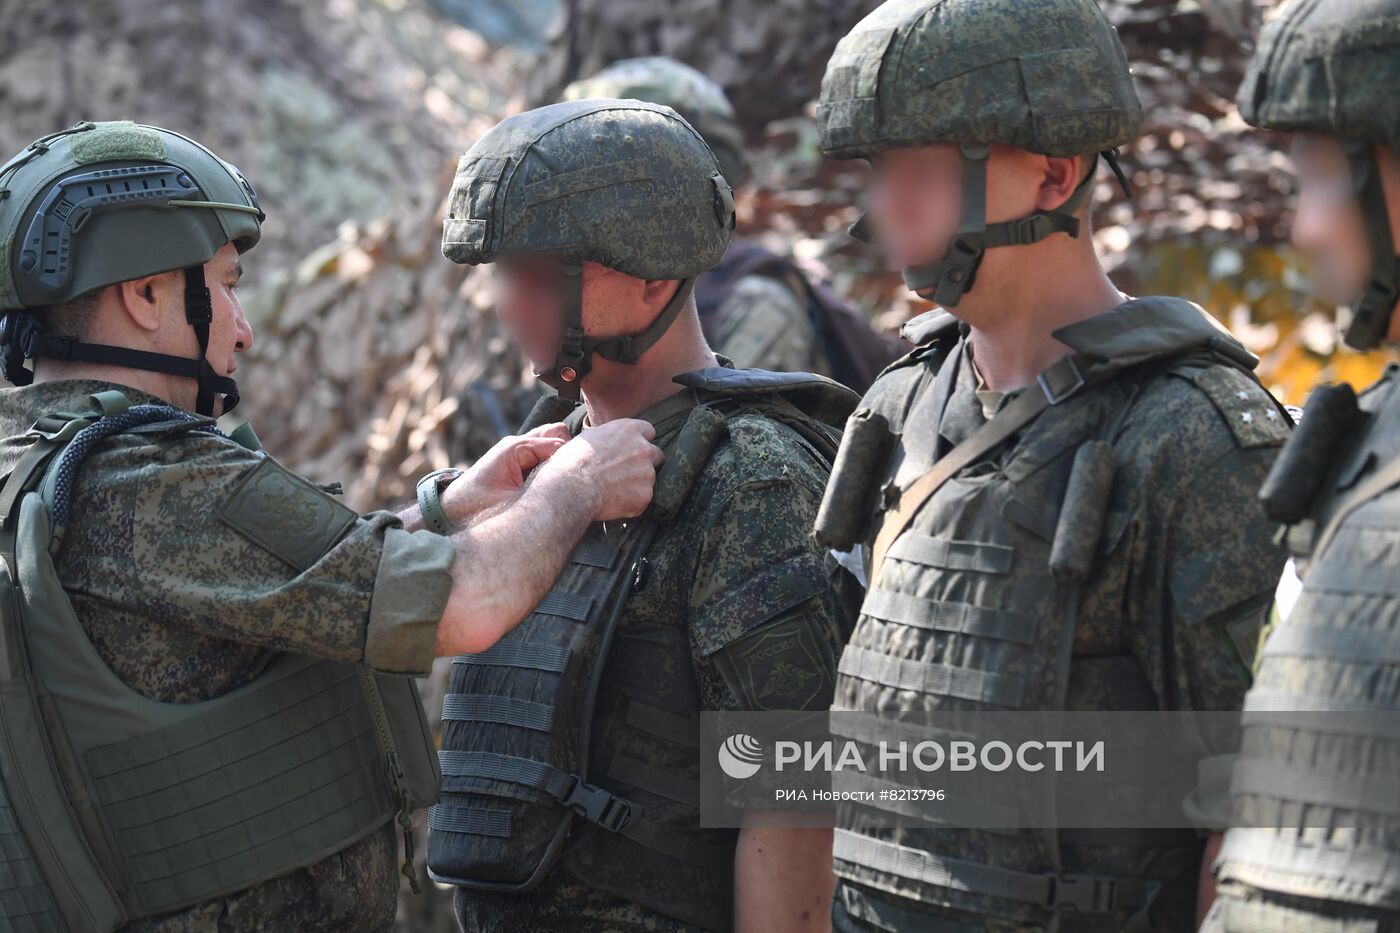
<point x="410" y="592"/>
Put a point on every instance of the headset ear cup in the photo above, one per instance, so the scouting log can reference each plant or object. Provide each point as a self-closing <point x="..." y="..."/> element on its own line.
<point x="15" y="328"/>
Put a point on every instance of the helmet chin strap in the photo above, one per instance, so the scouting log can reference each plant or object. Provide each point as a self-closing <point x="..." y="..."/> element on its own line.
<point x="949" y="278"/>
<point x="575" y="357"/>
<point x="35" y="344"/>
<point x="1370" y="322"/>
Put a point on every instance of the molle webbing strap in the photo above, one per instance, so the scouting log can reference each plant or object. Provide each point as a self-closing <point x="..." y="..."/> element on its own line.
<point x="530" y="657"/>
<point x="27" y="904"/>
<point x="470" y="707"/>
<point x="477" y="821"/>
<point x="1085" y="893"/>
<point x="297" y="759"/>
<point x="592" y="803"/>
<point x="1312" y="858"/>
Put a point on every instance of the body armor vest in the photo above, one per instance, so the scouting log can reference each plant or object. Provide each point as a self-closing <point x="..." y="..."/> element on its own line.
<point x="117" y="806"/>
<point x="523" y="720"/>
<point x="1337" y="651"/>
<point x="976" y="603"/>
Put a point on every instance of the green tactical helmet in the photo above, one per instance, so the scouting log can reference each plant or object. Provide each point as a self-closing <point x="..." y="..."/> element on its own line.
<point x="690" y="93"/>
<point x="1048" y="76"/>
<point x="103" y="203"/>
<point x="1332" y="67"/>
<point x="624" y="183"/>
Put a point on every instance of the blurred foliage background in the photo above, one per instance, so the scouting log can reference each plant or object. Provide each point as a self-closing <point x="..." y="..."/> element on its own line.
<point x="348" y="115"/>
<point x="373" y="352"/>
<point x="377" y="360"/>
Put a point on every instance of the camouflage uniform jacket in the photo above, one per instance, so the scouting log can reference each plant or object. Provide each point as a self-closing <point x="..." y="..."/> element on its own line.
<point x="1181" y="573"/>
<point x="184" y="608"/>
<point x="736" y="612"/>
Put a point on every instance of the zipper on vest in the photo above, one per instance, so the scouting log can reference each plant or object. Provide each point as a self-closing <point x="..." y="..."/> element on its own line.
<point x="398" y="781"/>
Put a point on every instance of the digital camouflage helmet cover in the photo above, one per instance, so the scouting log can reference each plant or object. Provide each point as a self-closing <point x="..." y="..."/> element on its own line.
<point x="1332" y="67"/>
<point x="103" y="203"/>
<point x="623" y="183"/>
<point x="1048" y="76"/>
<point x="692" y="94"/>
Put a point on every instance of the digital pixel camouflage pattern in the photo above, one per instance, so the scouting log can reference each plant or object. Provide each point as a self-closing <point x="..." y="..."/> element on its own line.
<point x="690" y="93"/>
<point x="919" y="72"/>
<point x="1329" y="68"/>
<point x="762" y="323"/>
<point x="726" y="618"/>
<point x="763" y="310"/>
<point x="757" y="321"/>
<point x="606" y="181"/>
<point x="183" y="607"/>
<point x="1335" y="650"/>
<point x="966" y="612"/>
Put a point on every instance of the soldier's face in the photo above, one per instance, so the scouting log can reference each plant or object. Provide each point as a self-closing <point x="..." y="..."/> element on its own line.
<point x="529" y="302"/>
<point x="528" y="299"/>
<point x="916" y="203"/>
<point x="915" y="200"/>
<point x="229" y="333"/>
<point x="1327" y="225"/>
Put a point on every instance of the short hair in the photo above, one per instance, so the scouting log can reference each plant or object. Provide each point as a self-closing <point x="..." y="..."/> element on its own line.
<point x="70" y="319"/>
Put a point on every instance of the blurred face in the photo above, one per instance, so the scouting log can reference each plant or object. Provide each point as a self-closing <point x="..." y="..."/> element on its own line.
<point x="529" y="298"/>
<point x="1328" y="226"/>
<point x="916" y="200"/>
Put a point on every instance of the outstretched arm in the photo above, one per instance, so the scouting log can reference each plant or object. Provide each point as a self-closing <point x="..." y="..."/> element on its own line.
<point x="511" y="546"/>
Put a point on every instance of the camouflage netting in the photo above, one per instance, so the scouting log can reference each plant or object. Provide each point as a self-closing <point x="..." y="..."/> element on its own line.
<point x="336" y="111"/>
<point x="373" y="351"/>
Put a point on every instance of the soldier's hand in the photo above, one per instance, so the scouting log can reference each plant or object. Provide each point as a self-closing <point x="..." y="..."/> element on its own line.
<point x="497" y="476"/>
<point x="617" y="463"/>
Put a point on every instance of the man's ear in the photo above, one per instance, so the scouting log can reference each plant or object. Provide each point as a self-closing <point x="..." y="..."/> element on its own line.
<point x="656" y="292"/>
<point x="144" y="300"/>
<point x="1062" y="175"/>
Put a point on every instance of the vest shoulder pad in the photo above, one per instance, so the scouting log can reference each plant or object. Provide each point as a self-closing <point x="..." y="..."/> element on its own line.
<point x="817" y="396"/>
<point x="929" y="326"/>
<point x="1146" y="329"/>
<point x="934" y="334"/>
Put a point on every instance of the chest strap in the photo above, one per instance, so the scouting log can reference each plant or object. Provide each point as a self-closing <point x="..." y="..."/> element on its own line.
<point x="1057" y="383"/>
<point x="1089" y="894"/>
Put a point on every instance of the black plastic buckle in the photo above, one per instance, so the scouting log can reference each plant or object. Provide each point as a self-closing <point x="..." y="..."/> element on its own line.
<point x="1087" y="894"/>
<point x="625" y="355"/>
<point x="961" y="259"/>
<point x="1051" y="395"/>
<point x="1032" y="229"/>
<point x="52" y="347"/>
<point x="598" y="806"/>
